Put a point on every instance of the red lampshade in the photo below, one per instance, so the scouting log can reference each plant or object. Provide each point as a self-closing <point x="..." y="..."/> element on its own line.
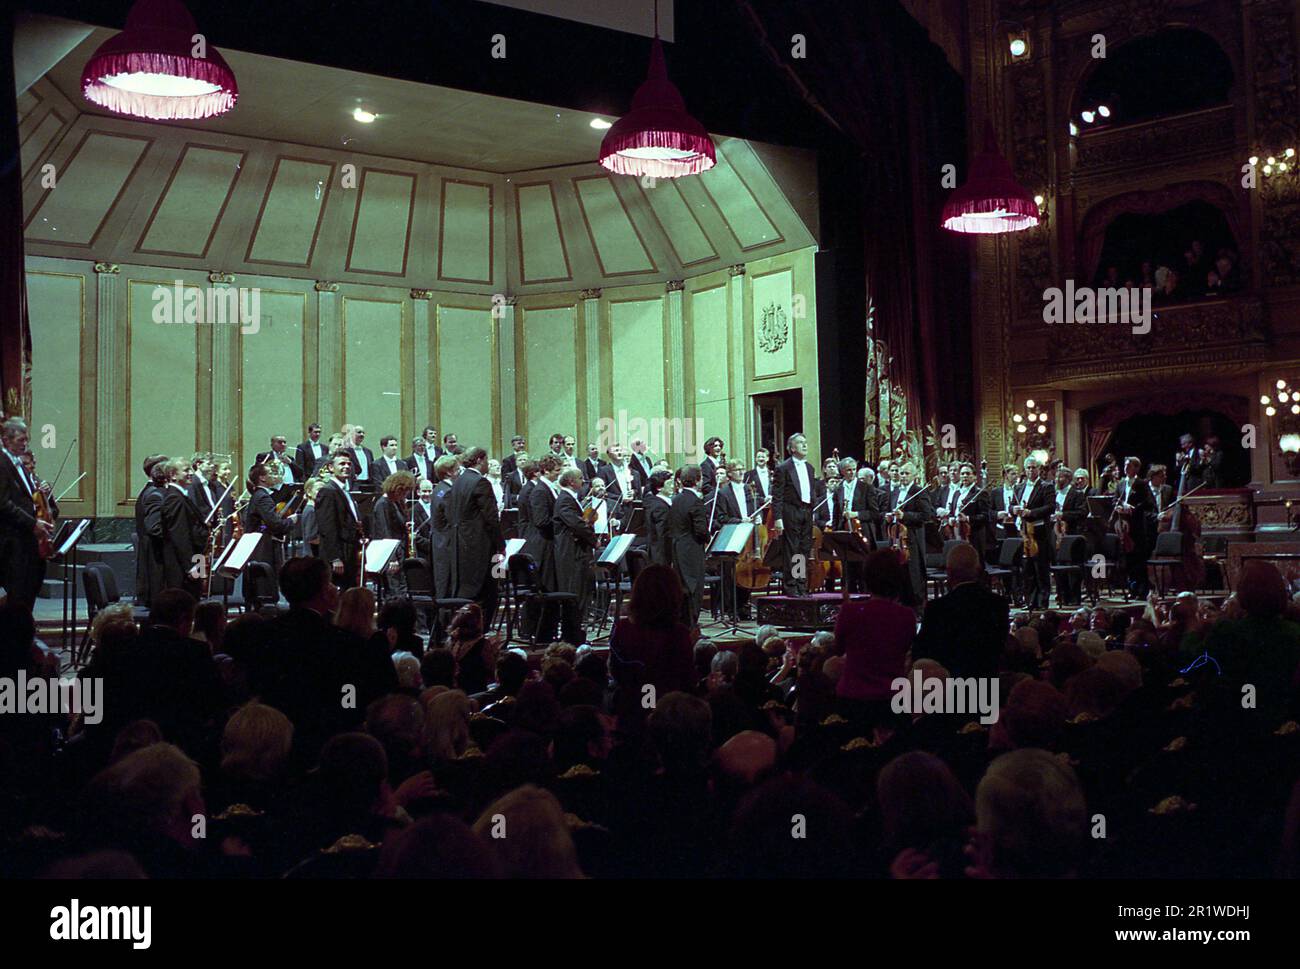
<point x="149" y="70"/>
<point x="991" y="200"/>
<point x="657" y="137"/>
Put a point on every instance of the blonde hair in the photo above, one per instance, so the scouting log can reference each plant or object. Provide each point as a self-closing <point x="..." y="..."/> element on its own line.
<point x="357" y="612"/>
<point x="256" y="742"/>
<point x="117" y="612"/>
<point x="539" y="844"/>
<point x="446" y="725"/>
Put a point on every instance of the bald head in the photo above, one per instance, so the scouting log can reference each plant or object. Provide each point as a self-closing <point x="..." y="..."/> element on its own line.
<point x="963" y="564"/>
<point x="747" y="757"/>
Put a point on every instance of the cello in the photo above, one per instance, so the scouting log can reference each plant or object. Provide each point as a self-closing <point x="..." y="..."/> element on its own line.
<point x="752" y="570"/>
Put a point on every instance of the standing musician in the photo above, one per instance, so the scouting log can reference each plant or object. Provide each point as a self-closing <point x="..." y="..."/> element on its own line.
<point x="874" y="505"/>
<point x="568" y="444"/>
<point x="206" y="490"/>
<point x="793" y="497"/>
<point x="498" y="486"/>
<point x="22" y="570"/>
<point x="431" y="446"/>
<point x="312" y="454"/>
<point x="642" y="461"/>
<point x="574" y="542"/>
<point x="1002" y="524"/>
<point x="592" y="465"/>
<point x="389" y="462"/>
<point x="422" y="516"/>
<point x="339" y="523"/>
<point x="262" y="516"/>
<point x="539" y="543"/>
<point x="445" y="470"/>
<point x="469" y="513"/>
<point x="1071" y="508"/>
<point x="1133" y="501"/>
<point x="362" y="460"/>
<point x="510" y="463"/>
<point x="528" y="470"/>
<point x="420" y="463"/>
<point x="713" y="457"/>
<point x="736" y="503"/>
<point x="185" y="539"/>
<point x="969" y="504"/>
<point x="620" y="481"/>
<point x="851" y="510"/>
<point x="290" y="471"/>
<point x="149" y="530"/>
<point x="760" y="476"/>
<point x="1034" y="505"/>
<point x="911" y="508"/>
<point x="941" y="489"/>
<point x="1162" y="494"/>
<point x="658" y="500"/>
<point x="515" y="479"/>
<point x="687" y="526"/>
<point x="389" y="519"/>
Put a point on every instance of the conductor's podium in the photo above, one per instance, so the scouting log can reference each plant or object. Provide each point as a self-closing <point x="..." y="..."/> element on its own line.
<point x="812" y="612"/>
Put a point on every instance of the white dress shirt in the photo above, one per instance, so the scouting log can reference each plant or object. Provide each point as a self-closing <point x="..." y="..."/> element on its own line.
<point x="347" y="495"/>
<point x="805" y="485"/>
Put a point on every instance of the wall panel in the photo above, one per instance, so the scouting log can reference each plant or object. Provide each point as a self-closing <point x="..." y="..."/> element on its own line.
<point x="57" y="306"/>
<point x="467" y="376"/>
<point x="552" y="400"/>
<point x="271" y="375"/>
<point x="708" y="329"/>
<point x="372" y="366"/>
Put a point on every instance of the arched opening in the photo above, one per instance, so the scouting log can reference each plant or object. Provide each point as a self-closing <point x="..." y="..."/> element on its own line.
<point x="1192" y="240"/>
<point x="1150" y="429"/>
<point x="1174" y="71"/>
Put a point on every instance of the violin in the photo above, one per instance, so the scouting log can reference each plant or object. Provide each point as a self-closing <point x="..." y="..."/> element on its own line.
<point x="43" y="513"/>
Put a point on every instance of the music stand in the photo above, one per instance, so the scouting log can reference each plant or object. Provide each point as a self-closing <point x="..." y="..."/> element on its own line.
<point x="379" y="553"/>
<point x="510" y="521"/>
<point x="608" y="564"/>
<point x="636" y="522"/>
<point x="65" y="543"/>
<point x="847" y="547"/>
<point x="728" y="545"/>
<point x="1100" y="506"/>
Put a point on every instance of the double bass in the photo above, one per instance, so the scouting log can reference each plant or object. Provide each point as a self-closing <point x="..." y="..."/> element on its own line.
<point x="752" y="570"/>
<point x="1184" y="522"/>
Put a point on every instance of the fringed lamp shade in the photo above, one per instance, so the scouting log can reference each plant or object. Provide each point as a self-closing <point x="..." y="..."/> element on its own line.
<point x="657" y="137"/>
<point x="149" y="70"/>
<point x="991" y="200"/>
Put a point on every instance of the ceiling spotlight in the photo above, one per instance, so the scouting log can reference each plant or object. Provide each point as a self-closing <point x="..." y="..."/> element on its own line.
<point x="1103" y="110"/>
<point x="364" y="116"/>
<point x="1088" y="117"/>
<point x="600" y="124"/>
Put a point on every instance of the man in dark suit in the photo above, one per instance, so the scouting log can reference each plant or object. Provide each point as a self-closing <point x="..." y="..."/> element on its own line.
<point x="1001" y="497"/>
<point x="312" y="454"/>
<point x="760" y="475"/>
<point x="620" y="483"/>
<point x="592" y="465"/>
<point x="207" y="490"/>
<point x="941" y="489"/>
<point x="1133" y="502"/>
<point x="642" y="461"/>
<point x="185" y="538"/>
<point x="420" y="463"/>
<point x="290" y="471"/>
<point x="968" y="504"/>
<point x="261" y="516"/>
<point x="688" y="532"/>
<point x="713" y="457"/>
<point x="1034" y="506"/>
<point x="469" y="512"/>
<point x="431" y="445"/>
<point x="389" y="461"/>
<point x="874" y="504"/>
<point x="793" y="498"/>
<point x="510" y="463"/>
<point x="176" y="681"/>
<point x="1071" y="508"/>
<point x="363" y="463"/>
<point x="339" y="522"/>
<point x="149" y="531"/>
<point x="575" y="541"/>
<point x="516" y="480"/>
<point x="422" y="515"/>
<point x="22" y="570"/>
<point x="851" y="503"/>
<point x="911" y="507"/>
<point x="1162" y="495"/>
<point x="657" y="504"/>
<point x="966" y="629"/>
<point x="736" y="503"/>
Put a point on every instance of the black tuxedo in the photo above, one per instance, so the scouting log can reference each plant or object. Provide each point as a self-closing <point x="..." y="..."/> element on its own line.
<point x="574" y="541"/>
<point x="977" y="507"/>
<point x="369" y="483"/>
<point x="1038" y="498"/>
<point x="509" y="464"/>
<point x="642" y="467"/>
<point x="386" y="466"/>
<point x="21" y="568"/>
<point x="184" y="537"/>
<point x="423" y="529"/>
<point x="1138" y="494"/>
<point x="421" y="465"/>
<point x="709" y="468"/>
<point x="513" y="482"/>
<point x="688" y="532"/>
<point x="657" y="541"/>
<point x="469" y="513"/>
<point x="440" y="544"/>
<point x="998" y="503"/>
<point x="1161" y="499"/>
<point x="148" y="544"/>
<point x="591" y="467"/>
<point x="914" y="502"/>
<point x="728" y="510"/>
<point x="539" y="537"/>
<point x="796" y="517"/>
<point x="340" y="533"/>
<point x="261" y="516"/>
<point x="286" y="457"/>
<point x="751" y="478"/>
<point x="965" y="631"/>
<point x="308" y="459"/>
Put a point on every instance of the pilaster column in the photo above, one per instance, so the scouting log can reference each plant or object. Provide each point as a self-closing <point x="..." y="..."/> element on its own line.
<point x="425" y="364"/>
<point x="676" y="350"/>
<point x="226" y="424"/>
<point x="506" y="392"/>
<point x="591" y="330"/>
<point x="110" y="401"/>
<point x="737" y="439"/>
<point x="329" y="405"/>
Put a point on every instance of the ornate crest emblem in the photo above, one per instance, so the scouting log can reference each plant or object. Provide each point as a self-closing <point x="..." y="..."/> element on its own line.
<point x="773" y="328"/>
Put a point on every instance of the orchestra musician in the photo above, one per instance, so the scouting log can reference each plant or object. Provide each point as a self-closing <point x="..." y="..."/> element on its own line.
<point x="389" y="462"/>
<point x="445" y="470"/>
<point x="431" y="447"/>
<point x="307" y="517"/>
<point x="262" y="516"/>
<point x="874" y="505"/>
<point x="206" y="490"/>
<point x="149" y="530"/>
<point x="910" y="507"/>
<point x="850" y="507"/>
<point x="526" y="469"/>
<point x="450" y="446"/>
<point x="22" y="570"/>
<point x="759" y="477"/>
<point x="567" y="455"/>
<point x="185" y="538"/>
<point x="339" y="523"/>
<point x="969" y="504"/>
<point x="510" y="463"/>
<point x="1034" y="506"/>
<point x="575" y="541"/>
<point x="290" y="471"/>
<point x="793" y="496"/>
<point x="736" y="503"/>
<point x="1002" y="524"/>
<point x="498" y="486"/>
<point x="713" y="457"/>
<point x="592" y="465"/>
<point x="422" y="517"/>
<point x="642" y="461"/>
<point x="515" y="479"/>
<point x="1133" y="502"/>
<point x="687" y="527"/>
<point x="1162" y="493"/>
<point x="539" y="543"/>
<point x="470" y="515"/>
<point x="388" y="519"/>
<point x="1071" y="508"/>
<point x="620" y="481"/>
<point x="419" y="463"/>
<point x="312" y="454"/>
<point x="658" y="500"/>
<point x="362" y="460"/>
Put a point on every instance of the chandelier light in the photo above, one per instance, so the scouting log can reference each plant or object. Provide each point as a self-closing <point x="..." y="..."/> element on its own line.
<point x="992" y="200"/>
<point x="150" y="70"/>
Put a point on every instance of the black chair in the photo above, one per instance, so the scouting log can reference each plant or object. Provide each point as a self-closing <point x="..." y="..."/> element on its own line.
<point x="1108" y="549"/>
<point x="936" y="567"/>
<point x="1007" y="570"/>
<point x="525" y="594"/>
<point x="419" y="582"/>
<point x="100" y="585"/>
<point x="260" y="587"/>
<point x="1167" y="554"/>
<point x="1070" y="560"/>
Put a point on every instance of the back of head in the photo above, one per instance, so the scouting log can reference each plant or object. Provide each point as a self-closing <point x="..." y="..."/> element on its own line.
<point x="885" y="575"/>
<point x="353" y="768"/>
<point x="921" y="801"/>
<point x="1094" y="692"/>
<point x="1261" y="590"/>
<point x="148" y="790"/>
<point x="438" y="668"/>
<point x="761" y="842"/>
<point x="173" y="608"/>
<point x="527" y="830"/>
<point x="656" y="597"/>
<point x="446" y="725"/>
<point x="512" y="670"/>
<point x="1125" y="667"/>
<point x="1035" y="714"/>
<point x="681" y="730"/>
<point x="302" y="579"/>
<point x="963" y="564"/>
<point x="747" y="758"/>
<point x="439" y="846"/>
<point x="396" y="721"/>
<point x="256" y="742"/>
<point x="1031" y="816"/>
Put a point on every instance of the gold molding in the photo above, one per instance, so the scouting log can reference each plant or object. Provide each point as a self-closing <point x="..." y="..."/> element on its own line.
<point x="110" y="268"/>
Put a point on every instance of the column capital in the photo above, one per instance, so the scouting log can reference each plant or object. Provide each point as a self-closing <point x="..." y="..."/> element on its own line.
<point x="219" y="277"/>
<point x="591" y="293"/>
<point x="108" y="268"/>
<point x="737" y="270"/>
<point x="675" y="285"/>
<point x="326" y="286"/>
<point x="421" y="294"/>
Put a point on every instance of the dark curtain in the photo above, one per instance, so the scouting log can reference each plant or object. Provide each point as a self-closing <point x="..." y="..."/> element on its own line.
<point x="871" y="71"/>
<point x="15" y="339"/>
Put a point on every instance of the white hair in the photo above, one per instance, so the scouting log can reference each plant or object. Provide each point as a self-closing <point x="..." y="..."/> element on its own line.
<point x="1030" y="812"/>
